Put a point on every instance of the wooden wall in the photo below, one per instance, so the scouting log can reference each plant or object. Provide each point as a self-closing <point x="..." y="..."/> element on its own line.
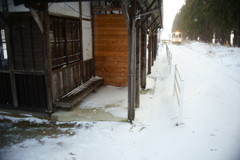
<point x="111" y="49"/>
<point x="24" y="79"/>
<point x="67" y="78"/>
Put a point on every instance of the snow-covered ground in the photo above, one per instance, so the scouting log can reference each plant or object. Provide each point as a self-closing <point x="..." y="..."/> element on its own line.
<point x="211" y="115"/>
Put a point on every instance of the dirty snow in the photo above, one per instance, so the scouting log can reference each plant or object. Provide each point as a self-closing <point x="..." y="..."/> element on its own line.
<point x="20" y="117"/>
<point x="211" y="115"/>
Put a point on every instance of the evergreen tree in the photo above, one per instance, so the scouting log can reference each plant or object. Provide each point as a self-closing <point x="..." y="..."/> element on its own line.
<point x="203" y="18"/>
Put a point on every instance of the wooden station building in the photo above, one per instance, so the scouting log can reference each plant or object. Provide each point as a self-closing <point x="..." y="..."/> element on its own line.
<point x="55" y="52"/>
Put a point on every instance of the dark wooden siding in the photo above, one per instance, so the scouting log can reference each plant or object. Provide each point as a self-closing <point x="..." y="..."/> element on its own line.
<point x="27" y="71"/>
<point x="5" y="90"/>
<point x="111" y="49"/>
<point x="66" y="79"/>
<point x="88" y="70"/>
<point x="31" y="92"/>
<point x="27" y="43"/>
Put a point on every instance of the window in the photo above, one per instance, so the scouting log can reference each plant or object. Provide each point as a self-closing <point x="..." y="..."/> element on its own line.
<point x="65" y="39"/>
<point x="3" y="49"/>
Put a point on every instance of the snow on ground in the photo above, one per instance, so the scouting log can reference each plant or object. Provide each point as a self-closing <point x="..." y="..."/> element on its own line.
<point x="21" y="117"/>
<point x="211" y="115"/>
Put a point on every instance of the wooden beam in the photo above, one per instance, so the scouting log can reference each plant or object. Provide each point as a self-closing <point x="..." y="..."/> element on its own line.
<point x="148" y="12"/>
<point x="147" y="9"/>
<point x="125" y="11"/>
<point x="106" y="8"/>
<point x="27" y="2"/>
<point x="152" y="22"/>
<point x="144" y="19"/>
<point x="37" y="18"/>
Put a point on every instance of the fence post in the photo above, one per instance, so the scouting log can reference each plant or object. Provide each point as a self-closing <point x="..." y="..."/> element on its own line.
<point x="178" y="88"/>
<point x="174" y="78"/>
<point x="169" y="58"/>
<point x="180" y="108"/>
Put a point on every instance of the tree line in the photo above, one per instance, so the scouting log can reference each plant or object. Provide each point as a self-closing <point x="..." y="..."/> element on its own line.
<point x="208" y="18"/>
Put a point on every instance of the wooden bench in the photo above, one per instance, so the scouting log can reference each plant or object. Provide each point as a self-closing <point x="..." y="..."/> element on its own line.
<point x="76" y="95"/>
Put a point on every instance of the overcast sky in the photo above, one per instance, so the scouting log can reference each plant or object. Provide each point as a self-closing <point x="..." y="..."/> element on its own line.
<point x="170" y="8"/>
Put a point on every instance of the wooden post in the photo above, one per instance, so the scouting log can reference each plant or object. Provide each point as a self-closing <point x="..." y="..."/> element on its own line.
<point x="137" y="66"/>
<point x="10" y="54"/>
<point x="143" y="59"/>
<point x="152" y="41"/>
<point x="93" y="53"/>
<point x="153" y="48"/>
<point x="149" y="53"/>
<point x="156" y="46"/>
<point x="131" y="10"/>
<point x="47" y="57"/>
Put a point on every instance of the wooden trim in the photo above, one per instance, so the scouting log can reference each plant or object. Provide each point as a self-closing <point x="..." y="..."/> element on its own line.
<point x="62" y="15"/>
<point x="5" y="71"/>
<point x="65" y="68"/>
<point x="32" y="47"/>
<point x="66" y="41"/>
<point x="81" y="46"/>
<point x="30" y="73"/>
<point x="105" y="8"/>
<point x="22" y="48"/>
<point x="66" y="16"/>
<point x="93" y="53"/>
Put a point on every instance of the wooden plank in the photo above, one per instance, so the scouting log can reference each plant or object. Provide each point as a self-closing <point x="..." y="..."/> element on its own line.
<point x="112" y="58"/>
<point x="111" y="49"/>
<point x="76" y="95"/>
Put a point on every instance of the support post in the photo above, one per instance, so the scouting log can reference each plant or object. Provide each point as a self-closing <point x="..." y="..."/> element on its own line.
<point x="155" y="46"/>
<point x="137" y="66"/>
<point x="143" y="59"/>
<point x="47" y="57"/>
<point x="153" y="49"/>
<point x="131" y="60"/>
<point x="149" y="53"/>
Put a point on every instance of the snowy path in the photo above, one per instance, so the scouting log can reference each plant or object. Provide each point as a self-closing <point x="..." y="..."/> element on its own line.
<point x="211" y="129"/>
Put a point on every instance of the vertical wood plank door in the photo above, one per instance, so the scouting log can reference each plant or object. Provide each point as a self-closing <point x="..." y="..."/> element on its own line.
<point x="111" y="49"/>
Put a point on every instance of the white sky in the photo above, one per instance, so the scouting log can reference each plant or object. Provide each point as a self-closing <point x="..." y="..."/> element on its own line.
<point x="170" y="8"/>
